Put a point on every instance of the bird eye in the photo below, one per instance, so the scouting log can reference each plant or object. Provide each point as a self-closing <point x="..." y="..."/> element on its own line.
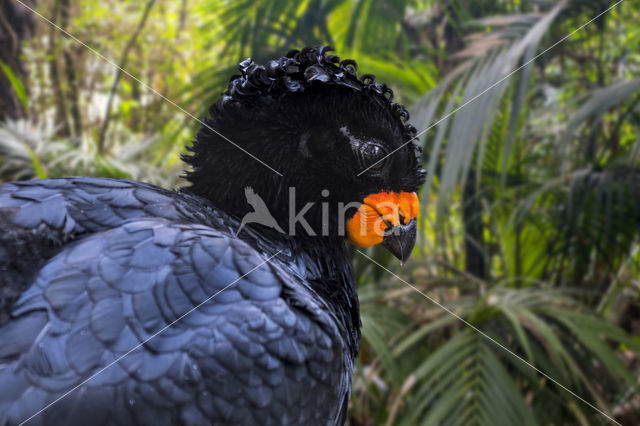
<point x="371" y="155"/>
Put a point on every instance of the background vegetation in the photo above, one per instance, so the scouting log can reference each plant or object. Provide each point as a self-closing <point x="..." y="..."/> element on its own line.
<point x="530" y="214"/>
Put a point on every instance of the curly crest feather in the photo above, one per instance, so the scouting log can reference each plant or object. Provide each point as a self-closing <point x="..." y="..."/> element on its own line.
<point x="301" y="69"/>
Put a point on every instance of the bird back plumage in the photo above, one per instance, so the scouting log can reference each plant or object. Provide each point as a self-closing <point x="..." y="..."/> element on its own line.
<point x="130" y="259"/>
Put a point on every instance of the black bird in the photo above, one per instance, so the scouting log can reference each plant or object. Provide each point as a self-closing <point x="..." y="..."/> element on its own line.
<point x="124" y="303"/>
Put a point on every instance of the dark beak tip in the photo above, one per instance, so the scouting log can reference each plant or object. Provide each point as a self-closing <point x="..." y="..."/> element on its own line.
<point x="401" y="240"/>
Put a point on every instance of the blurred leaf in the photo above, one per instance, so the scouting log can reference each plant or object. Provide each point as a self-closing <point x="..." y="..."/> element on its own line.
<point x="596" y="105"/>
<point x="16" y="84"/>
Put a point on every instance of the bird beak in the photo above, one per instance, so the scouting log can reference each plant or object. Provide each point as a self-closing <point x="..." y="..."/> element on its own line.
<point x="387" y="218"/>
<point x="400" y="240"/>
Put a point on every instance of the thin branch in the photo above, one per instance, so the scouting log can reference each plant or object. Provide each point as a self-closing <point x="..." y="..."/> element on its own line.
<point x="7" y="28"/>
<point x="182" y="19"/>
<point x="116" y="79"/>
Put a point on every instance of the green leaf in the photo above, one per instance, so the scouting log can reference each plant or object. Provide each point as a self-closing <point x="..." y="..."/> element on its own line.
<point x="37" y="166"/>
<point x="16" y="84"/>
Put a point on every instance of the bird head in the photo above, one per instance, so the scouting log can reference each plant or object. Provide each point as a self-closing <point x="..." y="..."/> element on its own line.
<point x="329" y="152"/>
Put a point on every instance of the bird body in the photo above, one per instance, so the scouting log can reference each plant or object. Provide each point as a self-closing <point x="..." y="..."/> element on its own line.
<point x="123" y="303"/>
<point x="128" y="259"/>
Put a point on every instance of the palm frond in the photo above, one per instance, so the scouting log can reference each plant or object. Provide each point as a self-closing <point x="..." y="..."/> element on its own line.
<point x="475" y="109"/>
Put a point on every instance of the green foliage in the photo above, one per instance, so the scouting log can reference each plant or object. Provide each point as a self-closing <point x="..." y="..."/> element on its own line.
<point x="533" y="168"/>
<point x="16" y="84"/>
<point x="28" y="152"/>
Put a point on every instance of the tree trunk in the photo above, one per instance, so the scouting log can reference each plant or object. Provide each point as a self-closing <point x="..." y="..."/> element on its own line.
<point x="16" y="25"/>
<point x="54" y="72"/>
<point x="70" y="72"/>
<point x="120" y="67"/>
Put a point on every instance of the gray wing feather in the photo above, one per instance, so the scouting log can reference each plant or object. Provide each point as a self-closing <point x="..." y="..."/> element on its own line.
<point x="245" y="357"/>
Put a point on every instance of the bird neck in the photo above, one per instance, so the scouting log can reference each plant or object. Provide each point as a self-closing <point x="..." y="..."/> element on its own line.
<point x="323" y="263"/>
<point x="334" y="280"/>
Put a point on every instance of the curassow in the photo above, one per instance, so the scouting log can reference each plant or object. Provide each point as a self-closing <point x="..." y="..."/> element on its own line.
<point x="124" y="303"/>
